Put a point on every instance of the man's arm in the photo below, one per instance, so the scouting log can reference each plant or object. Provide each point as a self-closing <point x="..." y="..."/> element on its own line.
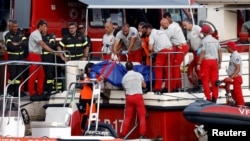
<point x="131" y="44"/>
<point x="236" y="71"/>
<point x="144" y="85"/>
<point x="45" y="46"/>
<point x="116" y="45"/>
<point x="220" y="57"/>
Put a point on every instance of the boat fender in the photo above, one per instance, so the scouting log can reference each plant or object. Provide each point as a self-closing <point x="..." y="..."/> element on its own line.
<point x="200" y="131"/>
<point x="25" y="116"/>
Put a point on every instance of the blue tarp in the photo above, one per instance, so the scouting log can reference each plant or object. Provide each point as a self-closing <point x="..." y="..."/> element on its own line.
<point x="113" y="72"/>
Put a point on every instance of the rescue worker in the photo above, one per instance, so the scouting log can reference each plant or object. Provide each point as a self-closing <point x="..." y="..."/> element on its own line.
<point x="115" y="25"/>
<point x="49" y="57"/>
<point x="133" y="82"/>
<point x="209" y="64"/>
<point x="177" y="38"/>
<point x="36" y="44"/>
<point x="144" y="40"/>
<point x="86" y="96"/>
<point x="16" y="43"/>
<point x="108" y="40"/>
<point x="82" y="30"/>
<point x="194" y="38"/>
<point x="234" y="75"/>
<point x="132" y="43"/>
<point x="162" y="47"/>
<point x="75" y="43"/>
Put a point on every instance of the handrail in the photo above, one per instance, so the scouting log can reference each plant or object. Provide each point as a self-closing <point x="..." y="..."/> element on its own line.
<point x="6" y="63"/>
<point x="169" y="67"/>
<point x="55" y="55"/>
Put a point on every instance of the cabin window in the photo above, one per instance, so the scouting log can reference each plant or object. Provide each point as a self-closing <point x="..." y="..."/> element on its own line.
<point x="98" y="17"/>
<point x="177" y="14"/>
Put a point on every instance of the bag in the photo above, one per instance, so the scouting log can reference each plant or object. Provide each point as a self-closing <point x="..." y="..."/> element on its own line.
<point x="145" y="71"/>
<point x="111" y="71"/>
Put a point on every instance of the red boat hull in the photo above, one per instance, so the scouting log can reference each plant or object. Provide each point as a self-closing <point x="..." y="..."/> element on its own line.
<point x="168" y="124"/>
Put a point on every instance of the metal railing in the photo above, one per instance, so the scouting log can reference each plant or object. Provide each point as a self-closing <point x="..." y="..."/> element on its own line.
<point x="168" y="67"/>
<point x="29" y="63"/>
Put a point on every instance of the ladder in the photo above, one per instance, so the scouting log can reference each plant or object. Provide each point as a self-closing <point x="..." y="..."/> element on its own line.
<point x="94" y="116"/>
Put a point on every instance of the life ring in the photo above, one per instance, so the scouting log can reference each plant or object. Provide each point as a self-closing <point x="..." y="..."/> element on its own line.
<point x="73" y="13"/>
<point x="192" y="76"/>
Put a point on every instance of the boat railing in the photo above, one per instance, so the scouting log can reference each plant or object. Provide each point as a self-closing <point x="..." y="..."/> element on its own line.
<point x="152" y="66"/>
<point x="102" y="56"/>
<point x="93" y="117"/>
<point x="222" y="71"/>
<point x="64" y="52"/>
<point x="5" y="96"/>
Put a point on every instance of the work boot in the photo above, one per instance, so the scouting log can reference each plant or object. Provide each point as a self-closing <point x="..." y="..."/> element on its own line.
<point x="142" y="137"/>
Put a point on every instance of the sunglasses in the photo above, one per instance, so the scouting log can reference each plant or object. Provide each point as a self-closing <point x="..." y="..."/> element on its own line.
<point x="80" y="28"/>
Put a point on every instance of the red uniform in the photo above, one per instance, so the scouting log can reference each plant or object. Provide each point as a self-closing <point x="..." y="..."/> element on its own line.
<point x="181" y="51"/>
<point x="234" y="72"/>
<point x="132" y="83"/>
<point x="237" y="91"/>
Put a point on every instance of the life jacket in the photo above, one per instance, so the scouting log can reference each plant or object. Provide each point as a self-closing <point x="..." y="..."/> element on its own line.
<point x="86" y="91"/>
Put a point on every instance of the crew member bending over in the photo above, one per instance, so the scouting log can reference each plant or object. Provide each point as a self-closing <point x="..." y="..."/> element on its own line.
<point x="132" y="43"/>
<point x="177" y="38"/>
<point x="161" y="45"/>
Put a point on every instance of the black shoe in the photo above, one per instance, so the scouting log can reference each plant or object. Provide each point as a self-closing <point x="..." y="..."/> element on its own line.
<point x="158" y="92"/>
<point x="142" y="137"/>
<point x="45" y="97"/>
<point x="23" y="94"/>
<point x="214" y="100"/>
<point x="34" y="97"/>
<point x="164" y="90"/>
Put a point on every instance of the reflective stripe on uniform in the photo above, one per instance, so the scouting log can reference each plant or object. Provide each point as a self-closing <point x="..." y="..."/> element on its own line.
<point x="50" y="81"/>
<point x="15" y="53"/>
<point x="8" y="40"/>
<point x="85" y="43"/>
<point x="51" y="40"/>
<point x="74" y="45"/>
<point x="24" y="38"/>
<point x="77" y="55"/>
<point x="61" y="43"/>
<point x="45" y="53"/>
<point x="14" y="81"/>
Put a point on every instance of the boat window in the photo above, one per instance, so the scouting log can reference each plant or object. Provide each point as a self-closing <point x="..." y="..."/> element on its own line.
<point x="98" y="17"/>
<point x="177" y="14"/>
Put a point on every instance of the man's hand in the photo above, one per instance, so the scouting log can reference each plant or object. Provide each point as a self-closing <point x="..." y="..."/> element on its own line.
<point x="114" y="57"/>
<point x="198" y="67"/>
<point x="15" y="43"/>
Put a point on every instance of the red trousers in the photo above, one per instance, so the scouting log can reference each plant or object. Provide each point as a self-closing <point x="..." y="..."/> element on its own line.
<point x="209" y="75"/>
<point x="237" y="91"/>
<point x="134" y="102"/>
<point x="39" y="75"/>
<point x="133" y="56"/>
<point x="163" y="63"/>
<point x="181" y="51"/>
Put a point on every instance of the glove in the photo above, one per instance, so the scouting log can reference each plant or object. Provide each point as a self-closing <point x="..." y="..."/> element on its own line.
<point x="198" y="51"/>
<point x="124" y="52"/>
<point x="114" y="57"/>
